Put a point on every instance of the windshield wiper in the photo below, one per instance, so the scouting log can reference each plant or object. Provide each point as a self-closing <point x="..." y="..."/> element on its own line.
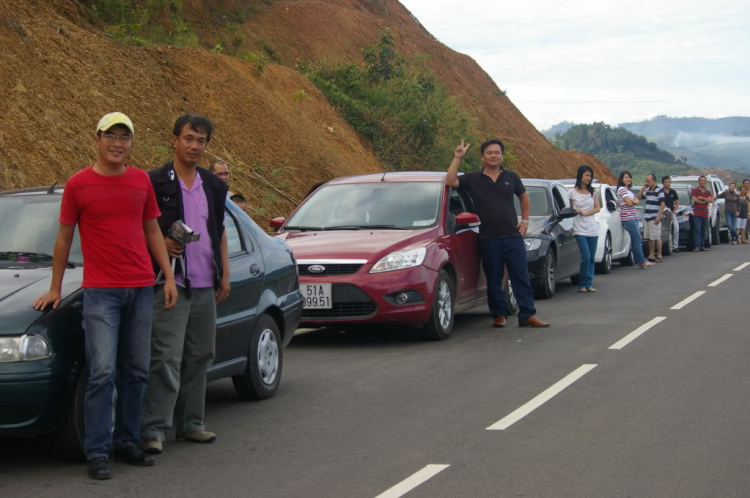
<point x="364" y="227"/>
<point x="69" y="264"/>
<point x="304" y="228"/>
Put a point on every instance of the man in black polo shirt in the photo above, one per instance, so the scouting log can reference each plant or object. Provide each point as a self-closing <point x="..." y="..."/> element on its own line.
<point x="672" y="201"/>
<point x="500" y="234"/>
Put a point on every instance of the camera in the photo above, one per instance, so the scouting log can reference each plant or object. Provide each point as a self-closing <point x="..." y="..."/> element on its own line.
<point x="182" y="233"/>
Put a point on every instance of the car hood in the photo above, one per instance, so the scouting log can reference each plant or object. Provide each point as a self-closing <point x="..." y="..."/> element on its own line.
<point x="370" y="245"/>
<point x="18" y="288"/>
<point x="536" y="225"/>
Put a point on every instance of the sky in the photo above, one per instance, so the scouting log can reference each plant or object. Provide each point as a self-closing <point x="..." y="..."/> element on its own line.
<point x="604" y="60"/>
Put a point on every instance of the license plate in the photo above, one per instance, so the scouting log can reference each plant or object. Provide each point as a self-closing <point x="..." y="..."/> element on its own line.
<point x="682" y="219"/>
<point x="317" y="296"/>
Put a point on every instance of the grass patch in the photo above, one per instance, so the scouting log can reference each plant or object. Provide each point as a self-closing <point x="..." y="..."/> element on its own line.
<point x="399" y="106"/>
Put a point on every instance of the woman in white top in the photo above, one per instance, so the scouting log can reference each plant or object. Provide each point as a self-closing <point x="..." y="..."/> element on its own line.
<point x="585" y="226"/>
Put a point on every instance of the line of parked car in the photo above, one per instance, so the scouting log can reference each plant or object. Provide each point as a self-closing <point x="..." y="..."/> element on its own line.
<point x="393" y="248"/>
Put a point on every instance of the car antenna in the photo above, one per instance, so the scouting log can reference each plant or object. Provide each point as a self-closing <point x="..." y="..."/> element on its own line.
<point x="52" y="188"/>
<point x="383" y="178"/>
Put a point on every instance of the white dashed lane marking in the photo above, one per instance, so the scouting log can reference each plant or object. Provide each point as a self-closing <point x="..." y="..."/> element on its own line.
<point x="636" y="333"/>
<point x="687" y="301"/>
<point x="722" y="279"/>
<point x="413" y="481"/>
<point x="542" y="398"/>
<point x="742" y="267"/>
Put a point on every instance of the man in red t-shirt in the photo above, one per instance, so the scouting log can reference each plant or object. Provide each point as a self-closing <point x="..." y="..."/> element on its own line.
<point x="115" y="209"/>
<point x="701" y="197"/>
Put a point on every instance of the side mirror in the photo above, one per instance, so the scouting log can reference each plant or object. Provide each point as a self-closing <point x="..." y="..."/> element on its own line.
<point x="611" y="206"/>
<point x="567" y="212"/>
<point x="276" y="223"/>
<point x="470" y="219"/>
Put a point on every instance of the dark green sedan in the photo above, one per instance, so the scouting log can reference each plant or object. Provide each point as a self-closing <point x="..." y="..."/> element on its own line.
<point x="41" y="352"/>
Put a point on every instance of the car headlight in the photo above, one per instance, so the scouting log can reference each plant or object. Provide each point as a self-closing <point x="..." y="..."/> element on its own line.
<point x="24" y="348"/>
<point x="532" y="244"/>
<point x="399" y="260"/>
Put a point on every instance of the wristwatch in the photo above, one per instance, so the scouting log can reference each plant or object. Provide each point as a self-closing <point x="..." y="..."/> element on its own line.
<point x="525" y="221"/>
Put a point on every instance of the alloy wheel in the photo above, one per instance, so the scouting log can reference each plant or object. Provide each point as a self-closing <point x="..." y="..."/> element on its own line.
<point x="444" y="305"/>
<point x="268" y="356"/>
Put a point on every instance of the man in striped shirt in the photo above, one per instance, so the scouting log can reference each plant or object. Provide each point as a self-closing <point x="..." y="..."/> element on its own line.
<point x="653" y="212"/>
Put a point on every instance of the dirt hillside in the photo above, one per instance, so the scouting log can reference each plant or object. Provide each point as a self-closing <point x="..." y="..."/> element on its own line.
<point x="296" y="30"/>
<point x="61" y="73"/>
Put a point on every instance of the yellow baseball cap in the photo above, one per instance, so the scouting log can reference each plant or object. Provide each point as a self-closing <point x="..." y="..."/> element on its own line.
<point x="112" y="119"/>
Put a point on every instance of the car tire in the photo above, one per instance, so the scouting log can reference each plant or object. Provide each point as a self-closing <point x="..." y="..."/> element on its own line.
<point x="708" y="241"/>
<point x="724" y="236"/>
<point x="628" y="260"/>
<point x="440" y="324"/>
<point x="715" y="235"/>
<point x="546" y="285"/>
<point x="605" y="266"/>
<point x="265" y="360"/>
<point x="575" y="279"/>
<point x="69" y="439"/>
<point x="510" y="299"/>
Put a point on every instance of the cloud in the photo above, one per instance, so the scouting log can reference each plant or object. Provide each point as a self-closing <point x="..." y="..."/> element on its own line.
<point x="638" y="57"/>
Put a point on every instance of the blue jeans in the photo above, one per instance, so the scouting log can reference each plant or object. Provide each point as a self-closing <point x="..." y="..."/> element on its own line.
<point x="117" y="326"/>
<point x="700" y="224"/>
<point x="497" y="254"/>
<point x="587" y="245"/>
<point x="732" y="223"/>
<point x="636" y="243"/>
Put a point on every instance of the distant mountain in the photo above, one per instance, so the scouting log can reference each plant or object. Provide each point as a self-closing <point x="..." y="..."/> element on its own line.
<point x="707" y="143"/>
<point x="558" y="128"/>
<point x="664" y="125"/>
<point x="722" y="143"/>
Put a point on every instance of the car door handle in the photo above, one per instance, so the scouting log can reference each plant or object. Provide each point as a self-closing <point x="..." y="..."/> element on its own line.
<point x="254" y="269"/>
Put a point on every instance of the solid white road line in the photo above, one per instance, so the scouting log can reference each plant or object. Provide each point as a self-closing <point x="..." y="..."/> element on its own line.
<point x="687" y="301"/>
<point x="637" y="332"/>
<point x="542" y="398"/>
<point x="742" y="267"/>
<point x="412" y="482"/>
<point x="722" y="279"/>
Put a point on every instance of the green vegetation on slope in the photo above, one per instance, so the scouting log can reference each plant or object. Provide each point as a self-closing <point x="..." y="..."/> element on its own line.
<point x="621" y="150"/>
<point x="400" y="106"/>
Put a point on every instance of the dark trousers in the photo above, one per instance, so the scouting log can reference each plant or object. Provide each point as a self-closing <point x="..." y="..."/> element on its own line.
<point x="117" y="331"/>
<point x="498" y="254"/>
<point x="700" y="224"/>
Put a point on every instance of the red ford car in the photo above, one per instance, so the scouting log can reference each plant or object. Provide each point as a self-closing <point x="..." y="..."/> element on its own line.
<point x="387" y="248"/>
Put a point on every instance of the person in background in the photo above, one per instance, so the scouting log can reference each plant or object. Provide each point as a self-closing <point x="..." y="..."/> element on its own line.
<point x="746" y="184"/>
<point x="184" y="337"/>
<point x="701" y="198"/>
<point x="629" y="218"/>
<point x="240" y="201"/>
<point x="493" y="190"/>
<point x="585" y="225"/>
<point x="115" y="209"/>
<point x="672" y="201"/>
<point x="221" y="169"/>
<point x="731" y="210"/>
<point x="742" y="203"/>
<point x="652" y="217"/>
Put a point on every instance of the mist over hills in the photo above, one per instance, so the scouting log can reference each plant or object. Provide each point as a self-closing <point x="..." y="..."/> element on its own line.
<point x="722" y="143"/>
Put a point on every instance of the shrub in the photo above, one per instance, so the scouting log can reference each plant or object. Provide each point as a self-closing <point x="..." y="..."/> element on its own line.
<point x="397" y="104"/>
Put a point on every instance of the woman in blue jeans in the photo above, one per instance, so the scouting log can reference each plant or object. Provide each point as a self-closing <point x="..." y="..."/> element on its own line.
<point x="629" y="218"/>
<point x="585" y="225"/>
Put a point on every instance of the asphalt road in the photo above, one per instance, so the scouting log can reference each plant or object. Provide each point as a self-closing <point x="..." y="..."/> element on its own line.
<point x="382" y="413"/>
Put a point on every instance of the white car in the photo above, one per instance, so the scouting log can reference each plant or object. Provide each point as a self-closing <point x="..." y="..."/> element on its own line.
<point x="614" y="241"/>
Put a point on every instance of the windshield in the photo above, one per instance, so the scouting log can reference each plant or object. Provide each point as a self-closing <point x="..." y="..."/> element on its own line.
<point x="403" y="205"/>
<point x="683" y="195"/>
<point x="539" y="202"/>
<point x="29" y="224"/>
